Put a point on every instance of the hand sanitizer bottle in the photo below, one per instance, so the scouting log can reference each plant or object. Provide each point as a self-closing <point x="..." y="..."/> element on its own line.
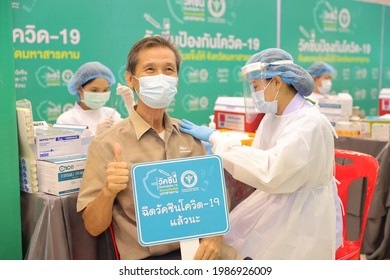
<point x="212" y="123"/>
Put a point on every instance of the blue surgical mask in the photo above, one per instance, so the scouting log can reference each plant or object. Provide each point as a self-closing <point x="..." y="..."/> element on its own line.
<point x="157" y="91"/>
<point x="96" y="100"/>
<point x="262" y="105"/>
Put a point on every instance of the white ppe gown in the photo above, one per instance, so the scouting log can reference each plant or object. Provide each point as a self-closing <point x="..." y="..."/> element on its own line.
<point x="292" y="213"/>
<point x="91" y="118"/>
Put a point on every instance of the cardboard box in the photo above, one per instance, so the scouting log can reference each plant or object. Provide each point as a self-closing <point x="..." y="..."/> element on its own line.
<point x="60" y="176"/>
<point x="371" y="120"/>
<point x="230" y="113"/>
<point x="336" y="107"/>
<point x="380" y="131"/>
<point x="54" y="142"/>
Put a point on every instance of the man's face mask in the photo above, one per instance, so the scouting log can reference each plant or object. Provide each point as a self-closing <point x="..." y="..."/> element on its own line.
<point x="95" y="100"/>
<point x="157" y="91"/>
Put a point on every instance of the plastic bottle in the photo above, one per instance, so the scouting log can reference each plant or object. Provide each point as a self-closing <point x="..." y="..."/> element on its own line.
<point x="212" y="123"/>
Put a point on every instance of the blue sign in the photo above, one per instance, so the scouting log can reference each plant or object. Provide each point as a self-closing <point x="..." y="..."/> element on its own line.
<point x="180" y="199"/>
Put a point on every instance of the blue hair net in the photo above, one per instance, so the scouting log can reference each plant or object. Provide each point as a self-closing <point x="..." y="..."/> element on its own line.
<point x="320" y="68"/>
<point x="291" y="74"/>
<point x="89" y="71"/>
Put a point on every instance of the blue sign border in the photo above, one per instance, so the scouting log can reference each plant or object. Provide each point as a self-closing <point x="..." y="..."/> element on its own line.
<point x="198" y="186"/>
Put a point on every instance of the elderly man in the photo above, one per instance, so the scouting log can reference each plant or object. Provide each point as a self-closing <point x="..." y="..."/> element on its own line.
<point x="149" y="134"/>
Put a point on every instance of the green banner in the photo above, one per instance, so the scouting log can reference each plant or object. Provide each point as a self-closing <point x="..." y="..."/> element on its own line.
<point x="215" y="38"/>
<point x="386" y="48"/>
<point x="347" y="35"/>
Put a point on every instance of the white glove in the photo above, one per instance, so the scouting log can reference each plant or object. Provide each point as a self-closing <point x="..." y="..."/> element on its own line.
<point x="104" y="125"/>
<point x="127" y="96"/>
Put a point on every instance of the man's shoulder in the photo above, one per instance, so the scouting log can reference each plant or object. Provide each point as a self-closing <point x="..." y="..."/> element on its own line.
<point x="115" y="132"/>
<point x="174" y="120"/>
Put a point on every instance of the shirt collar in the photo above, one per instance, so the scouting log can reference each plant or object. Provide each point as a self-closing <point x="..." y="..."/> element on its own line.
<point x="141" y="126"/>
<point x="295" y="104"/>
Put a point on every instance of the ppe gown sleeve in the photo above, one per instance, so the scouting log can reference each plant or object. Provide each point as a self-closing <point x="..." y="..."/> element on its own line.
<point x="280" y="169"/>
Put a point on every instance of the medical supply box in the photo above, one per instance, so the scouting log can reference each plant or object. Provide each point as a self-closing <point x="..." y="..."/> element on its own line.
<point x="337" y="108"/>
<point x="379" y="127"/>
<point x="61" y="176"/>
<point x="56" y="142"/>
<point x="384" y="101"/>
<point x="231" y="113"/>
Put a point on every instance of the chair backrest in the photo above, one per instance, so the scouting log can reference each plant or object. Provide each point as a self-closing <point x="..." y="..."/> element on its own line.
<point x="355" y="166"/>
<point x="117" y="255"/>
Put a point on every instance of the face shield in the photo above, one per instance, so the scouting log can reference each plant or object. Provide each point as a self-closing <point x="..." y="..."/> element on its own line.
<point x="249" y="74"/>
<point x="252" y="76"/>
<point x="256" y="77"/>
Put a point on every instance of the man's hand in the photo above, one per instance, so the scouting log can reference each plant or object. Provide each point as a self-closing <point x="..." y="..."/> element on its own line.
<point x="117" y="172"/>
<point x="209" y="248"/>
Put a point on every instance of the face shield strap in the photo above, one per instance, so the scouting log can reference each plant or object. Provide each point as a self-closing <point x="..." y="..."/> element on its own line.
<point x="255" y="70"/>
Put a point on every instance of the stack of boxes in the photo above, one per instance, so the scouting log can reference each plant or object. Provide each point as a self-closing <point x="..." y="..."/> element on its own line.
<point x="60" y="162"/>
<point x="51" y="159"/>
<point x="337" y="108"/>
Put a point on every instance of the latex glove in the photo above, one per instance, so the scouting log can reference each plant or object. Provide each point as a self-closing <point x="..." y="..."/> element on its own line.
<point x="104" y="125"/>
<point x="201" y="132"/>
<point x="117" y="173"/>
<point x="127" y="96"/>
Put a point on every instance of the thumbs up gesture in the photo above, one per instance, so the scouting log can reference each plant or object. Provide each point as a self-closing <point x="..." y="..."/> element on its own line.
<point x="117" y="172"/>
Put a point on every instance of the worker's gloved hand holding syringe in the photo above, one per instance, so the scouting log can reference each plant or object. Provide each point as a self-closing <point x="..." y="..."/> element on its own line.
<point x="127" y="96"/>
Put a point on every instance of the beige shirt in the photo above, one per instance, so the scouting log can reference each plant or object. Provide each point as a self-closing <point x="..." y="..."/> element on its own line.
<point x="140" y="143"/>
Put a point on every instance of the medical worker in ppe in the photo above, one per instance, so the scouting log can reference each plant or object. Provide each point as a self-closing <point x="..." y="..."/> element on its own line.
<point x="91" y="83"/>
<point x="292" y="212"/>
<point x="322" y="74"/>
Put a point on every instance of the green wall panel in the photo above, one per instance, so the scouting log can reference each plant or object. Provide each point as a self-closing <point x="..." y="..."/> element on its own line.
<point x="10" y="233"/>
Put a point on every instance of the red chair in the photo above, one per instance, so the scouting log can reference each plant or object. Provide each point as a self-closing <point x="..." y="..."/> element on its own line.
<point x="354" y="166"/>
<point x="117" y="255"/>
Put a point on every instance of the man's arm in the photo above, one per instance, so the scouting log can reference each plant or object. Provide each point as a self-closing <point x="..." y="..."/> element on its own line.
<point x="97" y="215"/>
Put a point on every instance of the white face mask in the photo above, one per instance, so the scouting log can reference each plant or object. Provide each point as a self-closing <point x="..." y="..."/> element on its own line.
<point x="325" y="87"/>
<point x="96" y="100"/>
<point x="262" y="105"/>
<point x="157" y="91"/>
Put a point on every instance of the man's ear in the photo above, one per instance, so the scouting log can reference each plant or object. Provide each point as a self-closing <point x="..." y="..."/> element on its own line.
<point x="129" y="79"/>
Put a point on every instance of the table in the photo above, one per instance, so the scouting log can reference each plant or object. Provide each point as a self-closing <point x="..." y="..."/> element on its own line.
<point x="376" y="242"/>
<point x="53" y="230"/>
